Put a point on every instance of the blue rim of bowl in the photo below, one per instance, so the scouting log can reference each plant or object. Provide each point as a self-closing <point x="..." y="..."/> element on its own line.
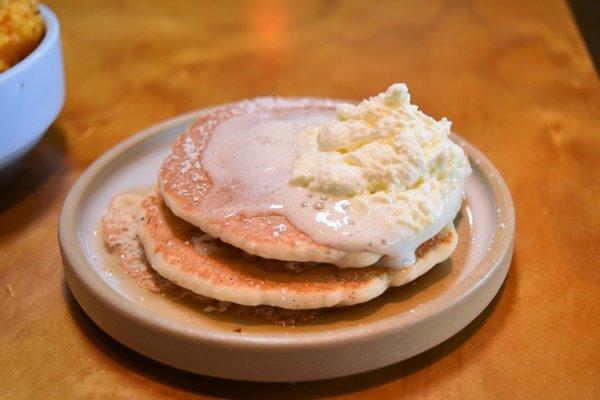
<point x="50" y="36"/>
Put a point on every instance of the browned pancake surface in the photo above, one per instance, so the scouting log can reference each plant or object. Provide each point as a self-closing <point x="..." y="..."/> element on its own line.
<point x="223" y="264"/>
<point x="184" y="183"/>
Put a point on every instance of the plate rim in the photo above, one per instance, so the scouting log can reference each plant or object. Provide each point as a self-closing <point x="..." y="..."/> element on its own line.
<point x="75" y="262"/>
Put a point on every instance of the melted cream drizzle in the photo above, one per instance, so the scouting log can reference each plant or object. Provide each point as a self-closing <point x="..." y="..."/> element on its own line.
<point x="252" y="157"/>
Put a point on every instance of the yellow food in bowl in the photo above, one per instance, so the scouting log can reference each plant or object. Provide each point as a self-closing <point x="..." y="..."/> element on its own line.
<point x="21" y="30"/>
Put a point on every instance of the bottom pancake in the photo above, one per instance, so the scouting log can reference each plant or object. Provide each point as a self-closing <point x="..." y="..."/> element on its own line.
<point x="118" y="227"/>
<point x="184" y="255"/>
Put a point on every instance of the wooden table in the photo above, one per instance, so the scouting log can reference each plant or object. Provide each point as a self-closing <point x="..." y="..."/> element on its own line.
<point x="514" y="77"/>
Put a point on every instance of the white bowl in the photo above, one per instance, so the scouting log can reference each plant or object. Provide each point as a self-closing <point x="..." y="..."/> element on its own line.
<point x="32" y="94"/>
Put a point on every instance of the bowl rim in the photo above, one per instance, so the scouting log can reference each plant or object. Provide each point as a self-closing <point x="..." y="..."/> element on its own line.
<point x="51" y="36"/>
<point x="69" y="242"/>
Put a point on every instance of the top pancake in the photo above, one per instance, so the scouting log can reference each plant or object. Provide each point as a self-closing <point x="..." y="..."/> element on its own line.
<point x="184" y="184"/>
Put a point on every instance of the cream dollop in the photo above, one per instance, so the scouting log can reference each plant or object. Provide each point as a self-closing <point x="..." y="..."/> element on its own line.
<point x="385" y="151"/>
<point x="380" y="177"/>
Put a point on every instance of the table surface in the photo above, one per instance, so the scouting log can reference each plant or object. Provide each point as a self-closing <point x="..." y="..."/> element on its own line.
<point x="513" y="76"/>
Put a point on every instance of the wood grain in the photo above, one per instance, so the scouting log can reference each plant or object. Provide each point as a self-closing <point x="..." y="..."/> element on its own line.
<point x="515" y="78"/>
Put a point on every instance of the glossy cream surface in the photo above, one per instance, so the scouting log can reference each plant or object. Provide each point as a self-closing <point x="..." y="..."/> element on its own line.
<point x="380" y="177"/>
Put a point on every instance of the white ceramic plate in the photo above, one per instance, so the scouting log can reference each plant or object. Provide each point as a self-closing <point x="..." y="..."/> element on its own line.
<point x="401" y="323"/>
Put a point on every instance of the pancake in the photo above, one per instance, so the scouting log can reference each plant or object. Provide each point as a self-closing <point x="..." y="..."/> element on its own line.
<point x="118" y="228"/>
<point x="184" y="186"/>
<point x="190" y="258"/>
<point x="119" y="233"/>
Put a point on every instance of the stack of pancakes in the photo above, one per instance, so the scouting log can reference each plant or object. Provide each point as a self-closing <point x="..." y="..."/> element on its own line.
<point x="248" y="263"/>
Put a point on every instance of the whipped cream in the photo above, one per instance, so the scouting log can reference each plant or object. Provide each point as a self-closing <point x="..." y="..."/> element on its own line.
<point x="380" y="177"/>
<point x="385" y="154"/>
